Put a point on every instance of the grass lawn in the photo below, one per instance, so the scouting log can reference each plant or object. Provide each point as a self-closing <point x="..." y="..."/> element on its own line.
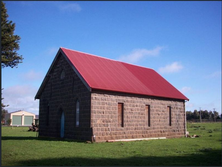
<point x="23" y="148"/>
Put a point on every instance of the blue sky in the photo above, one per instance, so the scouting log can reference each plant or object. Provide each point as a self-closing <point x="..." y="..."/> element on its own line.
<point x="180" y="40"/>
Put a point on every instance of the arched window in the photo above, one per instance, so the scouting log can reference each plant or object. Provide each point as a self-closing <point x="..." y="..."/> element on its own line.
<point x="77" y="113"/>
<point x="62" y="75"/>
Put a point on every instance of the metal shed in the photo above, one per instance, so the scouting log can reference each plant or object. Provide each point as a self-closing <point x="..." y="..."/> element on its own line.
<point x="20" y="118"/>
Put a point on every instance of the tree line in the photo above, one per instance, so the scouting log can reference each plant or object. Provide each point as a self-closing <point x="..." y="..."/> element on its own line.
<point x="203" y="114"/>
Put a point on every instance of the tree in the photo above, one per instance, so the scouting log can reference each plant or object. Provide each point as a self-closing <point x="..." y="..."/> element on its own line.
<point x="4" y="111"/>
<point x="9" y="121"/>
<point x="211" y="116"/>
<point x="205" y="114"/>
<point x="189" y="115"/>
<point x="196" y="114"/>
<point x="9" y="41"/>
<point x="216" y="115"/>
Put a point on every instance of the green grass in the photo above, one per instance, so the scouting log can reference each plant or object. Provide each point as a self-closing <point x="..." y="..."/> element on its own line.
<point x="23" y="148"/>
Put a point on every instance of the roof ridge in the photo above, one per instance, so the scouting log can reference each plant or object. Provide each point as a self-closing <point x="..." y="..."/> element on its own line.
<point x="137" y="65"/>
<point x="108" y="58"/>
<point x="89" y="54"/>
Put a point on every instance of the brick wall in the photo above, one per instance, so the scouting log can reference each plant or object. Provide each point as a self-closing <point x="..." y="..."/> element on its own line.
<point x="104" y="108"/>
<point x="61" y="95"/>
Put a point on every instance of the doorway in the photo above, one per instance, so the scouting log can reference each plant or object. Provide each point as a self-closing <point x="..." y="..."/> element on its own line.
<point x="62" y="126"/>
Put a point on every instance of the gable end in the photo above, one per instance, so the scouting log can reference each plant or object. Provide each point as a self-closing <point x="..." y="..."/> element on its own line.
<point x="47" y="77"/>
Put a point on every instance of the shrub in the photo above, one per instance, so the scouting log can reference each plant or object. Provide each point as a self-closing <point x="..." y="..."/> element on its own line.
<point x="9" y="121"/>
<point x="210" y="131"/>
<point x="217" y="130"/>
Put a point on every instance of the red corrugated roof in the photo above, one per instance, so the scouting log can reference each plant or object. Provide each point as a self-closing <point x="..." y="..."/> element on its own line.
<point x="106" y="74"/>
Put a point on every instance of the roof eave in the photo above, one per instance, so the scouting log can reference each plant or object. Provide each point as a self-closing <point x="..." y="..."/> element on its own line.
<point x="166" y="97"/>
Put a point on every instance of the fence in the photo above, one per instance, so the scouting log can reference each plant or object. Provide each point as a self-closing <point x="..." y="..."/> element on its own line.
<point x="204" y="120"/>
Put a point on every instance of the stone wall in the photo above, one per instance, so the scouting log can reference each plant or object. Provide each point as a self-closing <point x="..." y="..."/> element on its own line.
<point x="104" y="116"/>
<point x="60" y="95"/>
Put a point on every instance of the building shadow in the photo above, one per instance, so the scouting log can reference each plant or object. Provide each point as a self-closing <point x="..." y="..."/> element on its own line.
<point x="39" y="138"/>
<point x="18" y="138"/>
<point x="203" y="158"/>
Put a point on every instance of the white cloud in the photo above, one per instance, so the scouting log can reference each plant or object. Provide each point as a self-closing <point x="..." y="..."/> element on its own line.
<point x="21" y="97"/>
<point x="70" y="7"/>
<point x="32" y="75"/>
<point x="52" y="51"/>
<point x="190" y="106"/>
<point x="26" y="3"/>
<point x="60" y="5"/>
<point x="214" y="75"/>
<point x="137" y="54"/>
<point x="185" y="89"/>
<point x="171" y="68"/>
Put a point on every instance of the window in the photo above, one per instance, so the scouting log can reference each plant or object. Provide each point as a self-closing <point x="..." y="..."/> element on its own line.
<point x="62" y="124"/>
<point x="148" y="115"/>
<point x="47" y="115"/>
<point x="73" y="85"/>
<point x="50" y="90"/>
<point x="120" y="115"/>
<point x="169" y="111"/>
<point x="62" y="75"/>
<point x="77" y="113"/>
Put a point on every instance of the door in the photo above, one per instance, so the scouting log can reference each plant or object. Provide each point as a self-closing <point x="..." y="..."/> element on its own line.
<point x="28" y="120"/>
<point x="62" y="130"/>
<point x="16" y="120"/>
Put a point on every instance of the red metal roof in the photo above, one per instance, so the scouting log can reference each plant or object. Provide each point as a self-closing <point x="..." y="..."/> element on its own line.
<point x="106" y="74"/>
